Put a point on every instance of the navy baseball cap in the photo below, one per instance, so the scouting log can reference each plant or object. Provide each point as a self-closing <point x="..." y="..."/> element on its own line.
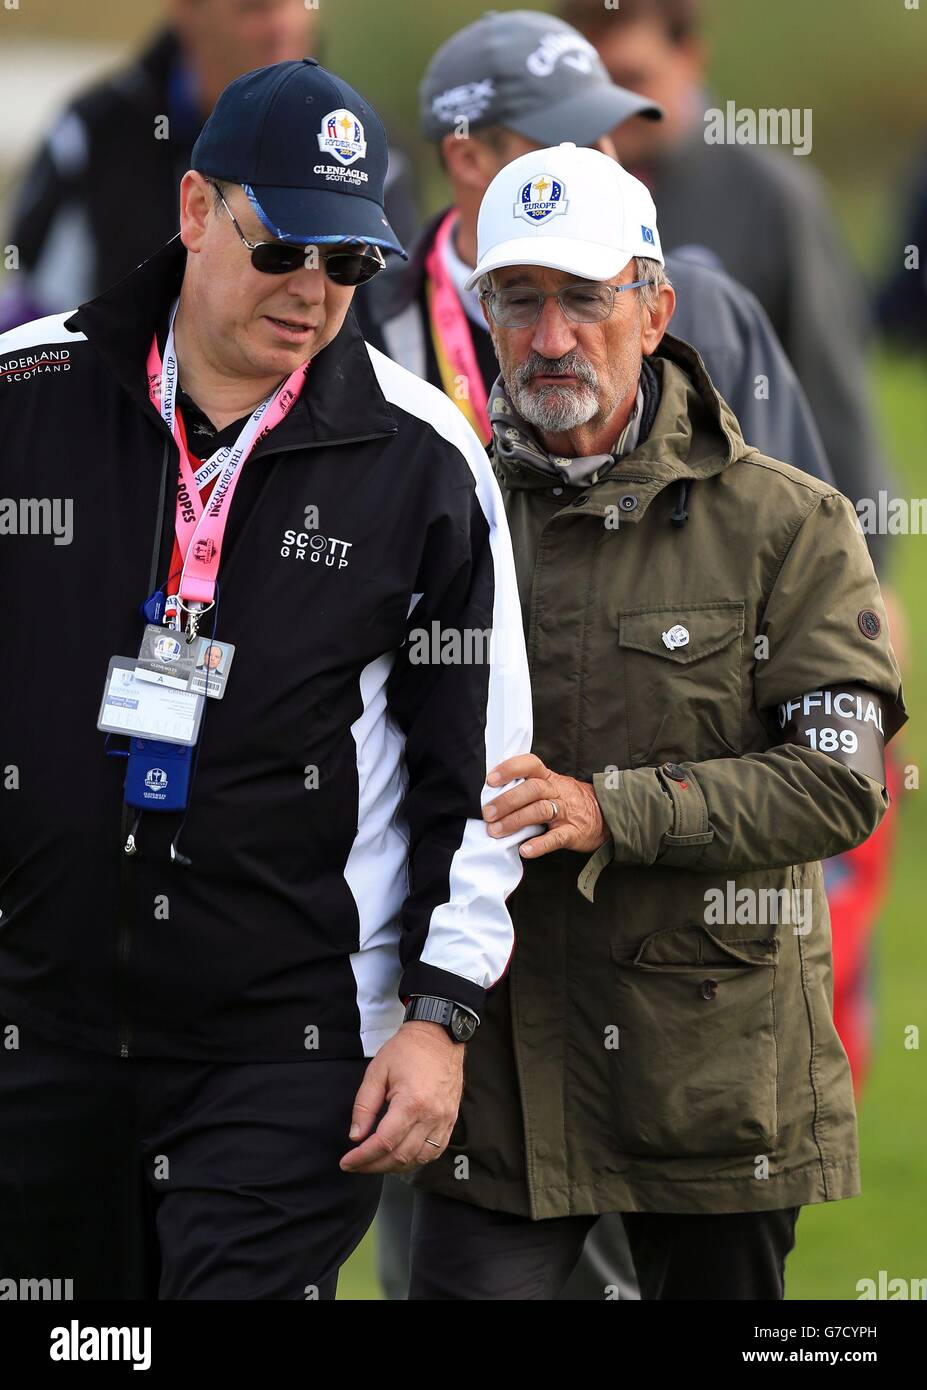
<point x="309" y="152"/>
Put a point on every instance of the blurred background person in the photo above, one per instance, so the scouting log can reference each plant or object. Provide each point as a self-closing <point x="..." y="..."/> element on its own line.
<point x="513" y="82"/>
<point x="902" y="302"/>
<point x="101" y="195"/>
<point x="762" y="211"/>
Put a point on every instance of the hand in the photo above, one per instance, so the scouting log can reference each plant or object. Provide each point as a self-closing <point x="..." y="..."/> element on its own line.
<point x="420" y="1073"/>
<point x="568" y="807"/>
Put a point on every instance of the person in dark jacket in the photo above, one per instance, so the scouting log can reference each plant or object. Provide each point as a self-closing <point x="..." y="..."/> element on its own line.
<point x="100" y="196"/>
<point x="207" y="938"/>
<point x="901" y="305"/>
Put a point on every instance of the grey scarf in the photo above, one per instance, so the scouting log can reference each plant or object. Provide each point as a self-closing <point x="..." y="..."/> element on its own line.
<point x="514" y="438"/>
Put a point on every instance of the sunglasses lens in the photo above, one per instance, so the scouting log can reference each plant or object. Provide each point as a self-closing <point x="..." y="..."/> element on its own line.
<point x="351" y="267"/>
<point x="274" y="258"/>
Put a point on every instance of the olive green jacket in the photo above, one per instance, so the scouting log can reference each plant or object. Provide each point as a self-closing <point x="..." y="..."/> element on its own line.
<point x="664" y="1040"/>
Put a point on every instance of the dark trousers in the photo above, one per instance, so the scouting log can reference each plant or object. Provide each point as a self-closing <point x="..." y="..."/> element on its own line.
<point x="605" y="1260"/>
<point x="142" y="1179"/>
<point x="460" y="1251"/>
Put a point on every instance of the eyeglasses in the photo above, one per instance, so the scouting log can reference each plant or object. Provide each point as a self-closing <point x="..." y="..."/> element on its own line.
<point x="520" y="306"/>
<point x="344" y="267"/>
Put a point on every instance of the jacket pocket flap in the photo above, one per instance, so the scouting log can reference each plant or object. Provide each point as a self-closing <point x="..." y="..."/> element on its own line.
<point x="695" y="945"/>
<point x="682" y="634"/>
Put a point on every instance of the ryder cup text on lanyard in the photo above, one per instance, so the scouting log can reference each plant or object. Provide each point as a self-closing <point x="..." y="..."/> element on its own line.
<point x="200" y="529"/>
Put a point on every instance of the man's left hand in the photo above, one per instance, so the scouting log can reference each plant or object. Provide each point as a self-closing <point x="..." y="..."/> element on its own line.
<point x="569" y="808"/>
<point x="418" y="1074"/>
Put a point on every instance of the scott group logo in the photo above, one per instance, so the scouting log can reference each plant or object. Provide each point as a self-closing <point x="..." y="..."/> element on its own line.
<point x="318" y="550"/>
<point x="540" y="198"/>
<point x="342" y="135"/>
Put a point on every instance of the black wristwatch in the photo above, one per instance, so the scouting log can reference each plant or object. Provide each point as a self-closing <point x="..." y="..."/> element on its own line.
<point x="459" y="1023"/>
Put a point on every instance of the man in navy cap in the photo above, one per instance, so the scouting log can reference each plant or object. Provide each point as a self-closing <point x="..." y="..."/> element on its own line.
<point x="241" y="957"/>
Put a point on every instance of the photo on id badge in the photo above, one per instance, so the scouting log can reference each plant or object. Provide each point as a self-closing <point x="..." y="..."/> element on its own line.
<point x="210" y="667"/>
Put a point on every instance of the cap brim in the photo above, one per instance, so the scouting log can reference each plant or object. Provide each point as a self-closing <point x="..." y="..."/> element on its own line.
<point x="311" y="216"/>
<point x="582" y="258"/>
<point x="583" y="118"/>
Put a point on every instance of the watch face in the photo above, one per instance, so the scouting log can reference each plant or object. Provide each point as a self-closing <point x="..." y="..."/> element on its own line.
<point x="463" y="1025"/>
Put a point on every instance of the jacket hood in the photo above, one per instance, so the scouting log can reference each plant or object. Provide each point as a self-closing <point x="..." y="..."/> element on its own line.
<point x="342" y="399"/>
<point x="694" y="434"/>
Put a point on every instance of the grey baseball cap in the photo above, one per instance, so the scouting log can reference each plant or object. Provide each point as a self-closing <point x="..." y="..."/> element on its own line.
<point x="530" y="73"/>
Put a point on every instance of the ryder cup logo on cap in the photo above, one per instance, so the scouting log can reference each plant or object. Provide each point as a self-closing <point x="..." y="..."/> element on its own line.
<point x="540" y="198"/>
<point x="608" y="219"/>
<point x="343" y="136"/>
<point x="268" y="133"/>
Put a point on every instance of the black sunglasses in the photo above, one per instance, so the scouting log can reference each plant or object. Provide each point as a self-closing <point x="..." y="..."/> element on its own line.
<point x="342" y="266"/>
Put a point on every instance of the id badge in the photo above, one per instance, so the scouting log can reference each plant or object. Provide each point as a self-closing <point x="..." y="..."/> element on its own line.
<point x="147" y="709"/>
<point x="211" y="667"/>
<point x="202" y="666"/>
<point x="168" y="655"/>
<point x="158" y="775"/>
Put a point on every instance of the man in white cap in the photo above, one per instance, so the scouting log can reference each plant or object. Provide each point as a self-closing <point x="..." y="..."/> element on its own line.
<point x="713" y="685"/>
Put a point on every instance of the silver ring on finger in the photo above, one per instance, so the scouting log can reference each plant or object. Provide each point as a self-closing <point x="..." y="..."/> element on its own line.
<point x="554" y="812"/>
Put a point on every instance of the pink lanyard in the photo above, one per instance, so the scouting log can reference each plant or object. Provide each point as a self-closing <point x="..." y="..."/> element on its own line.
<point x="200" y="529"/>
<point x="453" y="340"/>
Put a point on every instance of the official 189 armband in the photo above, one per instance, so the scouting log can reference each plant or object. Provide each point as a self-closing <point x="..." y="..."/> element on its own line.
<point x="844" y="721"/>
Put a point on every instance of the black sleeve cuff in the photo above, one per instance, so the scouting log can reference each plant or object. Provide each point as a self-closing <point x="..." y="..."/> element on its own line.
<point x="418" y="978"/>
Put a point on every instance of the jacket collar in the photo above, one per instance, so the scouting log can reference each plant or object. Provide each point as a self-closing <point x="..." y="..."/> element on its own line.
<point x="694" y="435"/>
<point x="341" y="401"/>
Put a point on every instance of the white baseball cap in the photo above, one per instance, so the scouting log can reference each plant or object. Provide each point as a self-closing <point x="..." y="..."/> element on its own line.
<point x="567" y="207"/>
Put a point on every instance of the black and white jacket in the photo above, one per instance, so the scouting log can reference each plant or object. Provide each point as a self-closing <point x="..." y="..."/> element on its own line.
<point x="338" y="859"/>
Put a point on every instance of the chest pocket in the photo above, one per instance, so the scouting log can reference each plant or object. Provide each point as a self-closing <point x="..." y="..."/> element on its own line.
<point x="682" y="671"/>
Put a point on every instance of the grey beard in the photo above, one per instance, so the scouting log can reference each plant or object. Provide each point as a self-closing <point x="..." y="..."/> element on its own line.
<point x="555" y="409"/>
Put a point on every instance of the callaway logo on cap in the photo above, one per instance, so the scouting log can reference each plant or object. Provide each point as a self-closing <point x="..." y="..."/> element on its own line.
<point x="572" y="209"/>
<point x="309" y="152"/>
